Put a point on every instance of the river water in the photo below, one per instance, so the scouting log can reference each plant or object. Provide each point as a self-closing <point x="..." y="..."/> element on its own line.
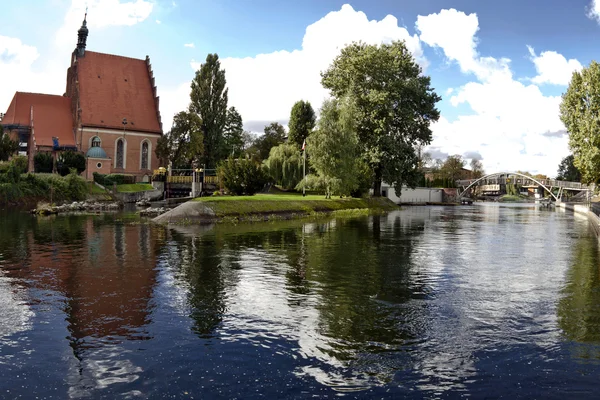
<point x="482" y="301"/>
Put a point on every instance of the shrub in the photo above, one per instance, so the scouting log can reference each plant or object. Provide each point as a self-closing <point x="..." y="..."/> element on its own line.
<point x="43" y="163"/>
<point x="241" y="176"/>
<point x="77" y="187"/>
<point x="285" y="165"/>
<point x="21" y="163"/>
<point x="68" y="160"/>
<point x="111" y="179"/>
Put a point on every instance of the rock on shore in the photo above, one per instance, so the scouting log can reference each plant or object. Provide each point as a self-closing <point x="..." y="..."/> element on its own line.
<point x="47" y="209"/>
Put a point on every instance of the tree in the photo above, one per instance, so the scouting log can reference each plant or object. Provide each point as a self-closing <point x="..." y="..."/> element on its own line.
<point x="476" y="169"/>
<point x="68" y="160"/>
<point x="394" y="106"/>
<point x="233" y="140"/>
<point x="285" y="165"/>
<point x="8" y="147"/>
<point x="302" y="122"/>
<point x="567" y="171"/>
<point x="452" y="168"/>
<point x="579" y="113"/>
<point x="43" y="162"/>
<point x="242" y="176"/>
<point x="334" y="149"/>
<point x="274" y="136"/>
<point x="209" y="102"/>
<point x="183" y="144"/>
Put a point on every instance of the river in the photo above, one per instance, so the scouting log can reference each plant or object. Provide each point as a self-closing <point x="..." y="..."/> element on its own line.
<point x="484" y="301"/>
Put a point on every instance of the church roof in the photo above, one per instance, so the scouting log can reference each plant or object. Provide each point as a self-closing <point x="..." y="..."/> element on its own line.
<point x="114" y="87"/>
<point x="51" y="117"/>
<point x="96" y="152"/>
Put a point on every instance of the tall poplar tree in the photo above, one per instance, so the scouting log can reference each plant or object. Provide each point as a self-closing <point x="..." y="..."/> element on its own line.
<point x="209" y="102"/>
<point x="302" y="122"/>
<point x="394" y="105"/>
<point x="233" y="133"/>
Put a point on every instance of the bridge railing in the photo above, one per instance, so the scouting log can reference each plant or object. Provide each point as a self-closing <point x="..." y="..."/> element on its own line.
<point x="516" y="180"/>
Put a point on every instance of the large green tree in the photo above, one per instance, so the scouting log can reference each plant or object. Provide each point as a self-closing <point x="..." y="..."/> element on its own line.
<point x="274" y="136"/>
<point x="476" y="169"/>
<point x="209" y="102"/>
<point x="579" y="112"/>
<point x="567" y="171"/>
<point x="334" y="149"/>
<point x="233" y="141"/>
<point x="302" y="122"/>
<point x="8" y="147"/>
<point x="452" y="168"/>
<point x="394" y="106"/>
<point x="183" y="144"/>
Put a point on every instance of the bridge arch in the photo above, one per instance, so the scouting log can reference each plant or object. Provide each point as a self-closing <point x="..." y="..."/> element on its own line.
<point x="508" y="173"/>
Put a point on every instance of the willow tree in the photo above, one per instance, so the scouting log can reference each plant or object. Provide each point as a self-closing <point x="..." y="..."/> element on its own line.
<point x="579" y="111"/>
<point x="394" y="107"/>
<point x="285" y="165"/>
<point x="209" y="102"/>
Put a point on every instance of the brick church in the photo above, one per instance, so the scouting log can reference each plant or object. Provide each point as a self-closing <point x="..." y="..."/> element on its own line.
<point x="109" y="112"/>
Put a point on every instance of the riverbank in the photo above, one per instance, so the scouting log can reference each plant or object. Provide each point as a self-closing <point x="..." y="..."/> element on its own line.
<point x="265" y="207"/>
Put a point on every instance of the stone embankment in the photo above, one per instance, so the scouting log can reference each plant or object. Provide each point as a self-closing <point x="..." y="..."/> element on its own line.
<point x="83" y="206"/>
<point x="154" y="211"/>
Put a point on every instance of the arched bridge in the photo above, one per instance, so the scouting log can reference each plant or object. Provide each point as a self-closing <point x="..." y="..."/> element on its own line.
<point x="517" y="178"/>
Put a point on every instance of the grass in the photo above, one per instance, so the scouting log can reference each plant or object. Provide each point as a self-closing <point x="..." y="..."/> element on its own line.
<point x="288" y="203"/>
<point x="94" y="189"/>
<point x="134" y="187"/>
<point x="510" y="198"/>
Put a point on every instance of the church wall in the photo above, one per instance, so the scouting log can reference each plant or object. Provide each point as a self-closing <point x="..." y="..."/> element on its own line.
<point x="99" y="165"/>
<point x="132" y="146"/>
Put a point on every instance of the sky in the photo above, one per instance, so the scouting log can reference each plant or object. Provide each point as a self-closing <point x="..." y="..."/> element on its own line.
<point x="500" y="67"/>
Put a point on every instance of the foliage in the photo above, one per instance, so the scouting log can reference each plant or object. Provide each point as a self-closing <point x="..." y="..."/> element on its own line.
<point x="21" y="163"/>
<point x="476" y="169"/>
<point x="134" y="187"/>
<point x="209" y="102"/>
<point x="70" y="159"/>
<point x="274" y="136"/>
<point x="302" y="122"/>
<point x="567" y="171"/>
<point x="43" y="162"/>
<point x="8" y="147"/>
<point x="579" y="113"/>
<point x="334" y="149"/>
<point x="285" y="165"/>
<point x="113" y="179"/>
<point x="233" y="139"/>
<point x="33" y="187"/>
<point x="76" y="186"/>
<point x="394" y="106"/>
<point x="451" y="169"/>
<point x="242" y="176"/>
<point x="182" y="145"/>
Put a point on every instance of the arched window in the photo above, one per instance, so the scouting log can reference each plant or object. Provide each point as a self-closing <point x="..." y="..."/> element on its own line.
<point x="120" y="153"/>
<point x="145" y="155"/>
<point x="96" y="142"/>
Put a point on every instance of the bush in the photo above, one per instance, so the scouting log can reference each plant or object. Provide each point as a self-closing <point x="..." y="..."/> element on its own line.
<point x="21" y="163"/>
<point x="111" y="179"/>
<point x="68" y="160"/>
<point x="241" y="176"/>
<point x="285" y="165"/>
<point x="43" y="162"/>
<point x="77" y="187"/>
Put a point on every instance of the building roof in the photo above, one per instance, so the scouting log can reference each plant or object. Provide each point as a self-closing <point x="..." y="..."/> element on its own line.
<point x="114" y="87"/>
<point x="96" y="152"/>
<point x="51" y="117"/>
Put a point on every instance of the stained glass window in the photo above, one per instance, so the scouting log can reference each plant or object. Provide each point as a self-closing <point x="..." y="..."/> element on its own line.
<point x="145" y="155"/>
<point x="120" y="151"/>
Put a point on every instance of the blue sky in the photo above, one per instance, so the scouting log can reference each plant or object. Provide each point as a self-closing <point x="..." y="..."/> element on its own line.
<point x="505" y="112"/>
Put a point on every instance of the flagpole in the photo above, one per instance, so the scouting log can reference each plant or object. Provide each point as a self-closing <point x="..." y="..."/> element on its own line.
<point x="304" y="169"/>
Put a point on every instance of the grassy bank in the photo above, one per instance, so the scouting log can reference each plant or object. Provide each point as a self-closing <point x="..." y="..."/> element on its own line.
<point x="510" y="198"/>
<point x="134" y="187"/>
<point x="265" y="207"/>
<point x="28" y="189"/>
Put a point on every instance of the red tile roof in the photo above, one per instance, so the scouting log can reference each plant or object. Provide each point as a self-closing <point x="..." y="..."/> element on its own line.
<point x="51" y="117"/>
<point x="114" y="87"/>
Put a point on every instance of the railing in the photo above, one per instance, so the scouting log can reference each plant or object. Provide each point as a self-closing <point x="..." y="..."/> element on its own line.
<point x="525" y="182"/>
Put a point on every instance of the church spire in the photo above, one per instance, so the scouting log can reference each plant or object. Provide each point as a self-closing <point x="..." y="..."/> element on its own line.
<point x="82" y="34"/>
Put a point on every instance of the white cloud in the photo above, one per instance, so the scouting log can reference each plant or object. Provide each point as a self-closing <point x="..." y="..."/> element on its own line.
<point x="101" y="13"/>
<point x="449" y="91"/>
<point x="510" y="122"/>
<point x="264" y="87"/>
<point x="158" y="21"/>
<point x="594" y="10"/>
<point x="553" y="68"/>
<point x="190" y="45"/>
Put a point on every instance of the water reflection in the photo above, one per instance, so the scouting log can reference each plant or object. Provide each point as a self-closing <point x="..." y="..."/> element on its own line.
<point x="427" y="301"/>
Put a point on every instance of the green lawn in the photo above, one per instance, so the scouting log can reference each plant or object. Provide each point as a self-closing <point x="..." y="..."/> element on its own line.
<point x="286" y="203"/>
<point x="134" y="187"/>
<point x="94" y="189"/>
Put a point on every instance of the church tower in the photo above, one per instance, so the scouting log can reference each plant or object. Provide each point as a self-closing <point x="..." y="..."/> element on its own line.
<point x="82" y="34"/>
